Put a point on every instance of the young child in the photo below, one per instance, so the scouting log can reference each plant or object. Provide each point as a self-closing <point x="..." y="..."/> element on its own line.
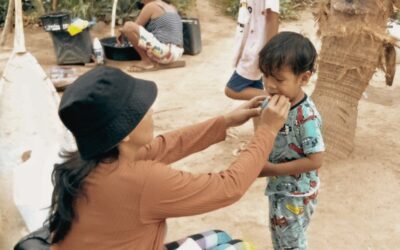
<point x="258" y="21"/>
<point x="287" y="62"/>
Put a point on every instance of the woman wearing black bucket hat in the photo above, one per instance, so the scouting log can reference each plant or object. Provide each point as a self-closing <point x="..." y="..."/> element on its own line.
<point x="117" y="191"/>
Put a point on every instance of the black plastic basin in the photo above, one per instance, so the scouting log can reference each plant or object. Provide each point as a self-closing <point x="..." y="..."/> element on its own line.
<point x="124" y="52"/>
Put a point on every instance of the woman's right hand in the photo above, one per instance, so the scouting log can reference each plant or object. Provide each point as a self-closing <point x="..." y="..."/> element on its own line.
<point x="276" y="113"/>
<point x="244" y="112"/>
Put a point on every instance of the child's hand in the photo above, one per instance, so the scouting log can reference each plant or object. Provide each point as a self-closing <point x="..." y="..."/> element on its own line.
<point x="244" y="112"/>
<point x="275" y="114"/>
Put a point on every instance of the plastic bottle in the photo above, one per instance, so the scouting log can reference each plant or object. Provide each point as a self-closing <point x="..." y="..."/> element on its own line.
<point x="98" y="51"/>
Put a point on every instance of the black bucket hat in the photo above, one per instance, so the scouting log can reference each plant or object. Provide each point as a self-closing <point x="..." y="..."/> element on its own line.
<point x="103" y="106"/>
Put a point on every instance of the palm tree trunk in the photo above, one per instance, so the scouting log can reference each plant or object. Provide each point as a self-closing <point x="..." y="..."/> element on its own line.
<point x="353" y="35"/>
<point x="8" y="23"/>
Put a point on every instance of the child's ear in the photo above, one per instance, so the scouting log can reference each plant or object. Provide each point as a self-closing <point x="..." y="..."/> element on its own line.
<point x="305" y="77"/>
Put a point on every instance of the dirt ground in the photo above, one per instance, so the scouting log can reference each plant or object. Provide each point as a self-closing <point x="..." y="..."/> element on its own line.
<point x="359" y="197"/>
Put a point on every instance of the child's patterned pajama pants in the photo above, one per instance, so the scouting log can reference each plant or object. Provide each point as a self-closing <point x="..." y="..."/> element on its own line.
<point x="289" y="218"/>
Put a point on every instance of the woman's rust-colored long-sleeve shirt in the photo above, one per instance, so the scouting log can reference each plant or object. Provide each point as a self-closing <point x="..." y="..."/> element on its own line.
<point x="126" y="206"/>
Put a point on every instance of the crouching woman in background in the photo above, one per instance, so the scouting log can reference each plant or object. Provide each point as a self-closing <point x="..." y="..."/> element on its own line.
<point x="156" y="35"/>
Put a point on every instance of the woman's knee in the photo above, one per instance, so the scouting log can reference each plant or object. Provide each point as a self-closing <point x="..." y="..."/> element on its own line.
<point x="130" y="27"/>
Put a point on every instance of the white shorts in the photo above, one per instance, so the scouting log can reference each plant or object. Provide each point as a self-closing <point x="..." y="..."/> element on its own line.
<point x="158" y="51"/>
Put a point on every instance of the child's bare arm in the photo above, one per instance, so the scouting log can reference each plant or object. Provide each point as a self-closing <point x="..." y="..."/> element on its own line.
<point x="306" y="164"/>
<point x="272" y="19"/>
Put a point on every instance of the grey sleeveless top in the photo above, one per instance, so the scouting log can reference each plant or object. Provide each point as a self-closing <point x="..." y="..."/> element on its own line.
<point x="167" y="28"/>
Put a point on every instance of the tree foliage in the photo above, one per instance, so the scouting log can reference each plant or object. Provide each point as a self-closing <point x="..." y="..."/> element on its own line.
<point x="288" y="8"/>
<point x="89" y="9"/>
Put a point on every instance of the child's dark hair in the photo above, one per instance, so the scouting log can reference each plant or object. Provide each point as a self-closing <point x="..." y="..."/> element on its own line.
<point x="288" y="49"/>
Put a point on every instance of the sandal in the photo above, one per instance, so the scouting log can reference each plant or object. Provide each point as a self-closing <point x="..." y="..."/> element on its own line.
<point x="136" y="68"/>
<point x="157" y="66"/>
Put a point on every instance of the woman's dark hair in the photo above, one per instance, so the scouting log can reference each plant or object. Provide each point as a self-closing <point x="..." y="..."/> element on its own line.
<point x="68" y="179"/>
<point x="167" y="1"/>
<point x="288" y="49"/>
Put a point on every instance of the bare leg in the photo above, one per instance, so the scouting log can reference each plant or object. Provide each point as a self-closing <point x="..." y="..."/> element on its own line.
<point x="131" y="31"/>
<point x="245" y="94"/>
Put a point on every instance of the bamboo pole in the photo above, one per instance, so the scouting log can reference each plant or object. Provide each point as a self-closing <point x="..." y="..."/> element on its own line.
<point x="8" y="23"/>
<point x="113" y="14"/>
<point x="19" y="38"/>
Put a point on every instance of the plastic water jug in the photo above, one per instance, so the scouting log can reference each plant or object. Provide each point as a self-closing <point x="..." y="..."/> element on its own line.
<point x="98" y="51"/>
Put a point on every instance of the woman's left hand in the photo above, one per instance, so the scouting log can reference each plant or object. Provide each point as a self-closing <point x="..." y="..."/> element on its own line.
<point x="244" y="112"/>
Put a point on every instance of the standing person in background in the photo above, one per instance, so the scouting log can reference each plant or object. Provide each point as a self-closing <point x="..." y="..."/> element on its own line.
<point x="156" y="35"/>
<point x="258" y="21"/>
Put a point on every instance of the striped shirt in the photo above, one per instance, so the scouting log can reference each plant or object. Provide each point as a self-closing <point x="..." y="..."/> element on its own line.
<point x="167" y="28"/>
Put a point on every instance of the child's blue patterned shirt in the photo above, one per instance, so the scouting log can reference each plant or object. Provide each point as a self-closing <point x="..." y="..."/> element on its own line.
<point x="300" y="136"/>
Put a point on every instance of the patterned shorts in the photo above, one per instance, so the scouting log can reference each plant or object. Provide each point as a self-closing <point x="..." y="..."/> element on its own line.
<point x="213" y="240"/>
<point x="158" y="51"/>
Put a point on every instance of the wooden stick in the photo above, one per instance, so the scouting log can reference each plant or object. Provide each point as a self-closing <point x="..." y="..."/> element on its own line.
<point x="8" y="23"/>
<point x="54" y="5"/>
<point x="113" y="14"/>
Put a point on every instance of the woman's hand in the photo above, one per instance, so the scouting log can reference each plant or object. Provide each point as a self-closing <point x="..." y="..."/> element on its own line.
<point x="275" y="114"/>
<point x="119" y="39"/>
<point x="244" y="112"/>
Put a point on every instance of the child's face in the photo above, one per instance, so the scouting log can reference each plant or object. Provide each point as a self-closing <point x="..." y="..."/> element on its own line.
<point x="285" y="82"/>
